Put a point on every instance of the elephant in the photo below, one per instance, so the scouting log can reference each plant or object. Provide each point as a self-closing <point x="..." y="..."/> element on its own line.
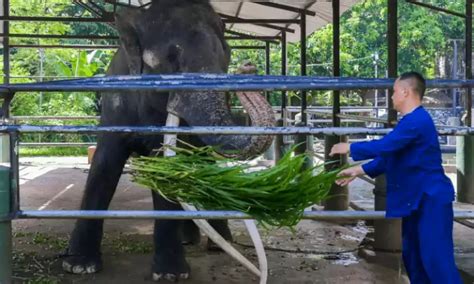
<point x="168" y="37"/>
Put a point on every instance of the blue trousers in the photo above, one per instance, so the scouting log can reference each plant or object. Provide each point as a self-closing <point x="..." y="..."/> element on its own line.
<point x="428" y="249"/>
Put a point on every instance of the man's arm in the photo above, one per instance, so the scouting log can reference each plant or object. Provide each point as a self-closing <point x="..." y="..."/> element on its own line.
<point x="402" y="135"/>
<point x="375" y="167"/>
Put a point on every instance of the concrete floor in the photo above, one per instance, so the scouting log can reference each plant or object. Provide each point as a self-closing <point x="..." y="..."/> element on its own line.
<point x="318" y="252"/>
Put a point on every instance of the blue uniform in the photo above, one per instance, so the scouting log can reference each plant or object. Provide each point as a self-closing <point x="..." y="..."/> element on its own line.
<point x="419" y="192"/>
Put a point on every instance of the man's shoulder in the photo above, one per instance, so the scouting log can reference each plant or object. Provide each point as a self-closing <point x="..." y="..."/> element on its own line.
<point x="418" y="119"/>
<point x="420" y="114"/>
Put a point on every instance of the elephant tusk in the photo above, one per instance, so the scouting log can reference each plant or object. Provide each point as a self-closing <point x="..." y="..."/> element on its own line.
<point x="170" y="139"/>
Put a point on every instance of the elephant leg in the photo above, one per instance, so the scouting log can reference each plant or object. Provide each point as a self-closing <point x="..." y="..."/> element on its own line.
<point x="222" y="227"/>
<point x="83" y="255"/>
<point x="169" y="259"/>
<point x="190" y="234"/>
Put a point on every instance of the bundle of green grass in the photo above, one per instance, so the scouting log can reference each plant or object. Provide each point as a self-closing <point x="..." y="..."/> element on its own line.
<point x="275" y="196"/>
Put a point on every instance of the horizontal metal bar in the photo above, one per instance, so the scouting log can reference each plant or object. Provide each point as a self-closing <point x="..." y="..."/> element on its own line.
<point x="274" y="27"/>
<point x="246" y="47"/>
<point x="241" y="37"/>
<point x="56" y="144"/>
<point x="196" y="130"/>
<point x="367" y="179"/>
<point x="99" y="37"/>
<point x="55" y="19"/>
<point x="89" y="46"/>
<point x="260" y="21"/>
<point x="216" y="215"/>
<point x="91" y="37"/>
<point x="219" y="82"/>
<point x="45" y="117"/>
<point x="68" y="46"/>
<point x="213" y="130"/>
<point x="365" y="118"/>
<point x="448" y="149"/>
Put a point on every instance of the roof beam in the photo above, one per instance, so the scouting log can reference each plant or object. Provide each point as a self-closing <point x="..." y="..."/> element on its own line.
<point x="224" y="16"/>
<point x="270" y="39"/>
<point x="260" y="21"/>
<point x="287" y="8"/>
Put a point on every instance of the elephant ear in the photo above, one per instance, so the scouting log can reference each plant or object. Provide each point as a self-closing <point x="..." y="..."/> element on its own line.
<point x="126" y="23"/>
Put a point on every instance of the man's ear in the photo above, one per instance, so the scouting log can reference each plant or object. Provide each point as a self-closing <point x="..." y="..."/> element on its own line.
<point x="125" y="22"/>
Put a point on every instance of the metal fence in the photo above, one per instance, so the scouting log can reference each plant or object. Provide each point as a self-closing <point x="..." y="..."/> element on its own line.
<point x="9" y="186"/>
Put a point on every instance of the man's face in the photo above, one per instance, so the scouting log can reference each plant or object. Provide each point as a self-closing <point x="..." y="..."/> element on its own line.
<point x="399" y="94"/>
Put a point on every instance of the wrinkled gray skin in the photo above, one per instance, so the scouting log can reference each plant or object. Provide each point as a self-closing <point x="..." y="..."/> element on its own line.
<point x="172" y="36"/>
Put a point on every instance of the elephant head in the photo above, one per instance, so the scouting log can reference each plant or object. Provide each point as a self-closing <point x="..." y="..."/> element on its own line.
<point x="187" y="36"/>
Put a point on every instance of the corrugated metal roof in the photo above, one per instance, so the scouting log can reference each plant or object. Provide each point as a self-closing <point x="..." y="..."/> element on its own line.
<point x="254" y="10"/>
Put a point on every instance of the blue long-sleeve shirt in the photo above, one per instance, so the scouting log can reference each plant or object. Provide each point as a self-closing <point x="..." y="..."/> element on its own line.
<point x="410" y="156"/>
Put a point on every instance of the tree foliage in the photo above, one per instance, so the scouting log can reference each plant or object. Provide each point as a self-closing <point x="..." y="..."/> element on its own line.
<point x="424" y="36"/>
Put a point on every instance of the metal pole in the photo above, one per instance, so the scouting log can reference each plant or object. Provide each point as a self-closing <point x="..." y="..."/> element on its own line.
<point x="284" y="59"/>
<point x="4" y="140"/>
<point x="376" y="67"/>
<point x="5" y="190"/>
<point x="270" y="153"/>
<point x="468" y="30"/>
<point x="336" y="69"/>
<point x="204" y="214"/>
<point x="14" y="172"/>
<point x="304" y="117"/>
<point x="267" y="63"/>
<point x="279" y="139"/>
<point x="465" y="145"/>
<point x="455" y="75"/>
<point x="6" y="43"/>
<point x="340" y="199"/>
<point x="5" y="227"/>
<point x="388" y="232"/>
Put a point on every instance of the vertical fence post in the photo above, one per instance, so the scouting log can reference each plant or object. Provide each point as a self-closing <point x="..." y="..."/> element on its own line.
<point x="388" y="232"/>
<point x="5" y="227"/>
<point x="339" y="199"/>
<point x="279" y="143"/>
<point x="465" y="144"/>
<point x="339" y="194"/>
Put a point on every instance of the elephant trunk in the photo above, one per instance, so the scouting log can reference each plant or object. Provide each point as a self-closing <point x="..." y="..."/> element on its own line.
<point x="261" y="115"/>
<point x="211" y="109"/>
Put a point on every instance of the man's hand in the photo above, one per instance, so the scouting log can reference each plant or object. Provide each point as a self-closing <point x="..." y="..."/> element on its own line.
<point x="340" y="148"/>
<point x="349" y="175"/>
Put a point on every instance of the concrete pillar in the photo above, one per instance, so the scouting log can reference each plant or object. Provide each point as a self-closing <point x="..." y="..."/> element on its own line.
<point x="453" y="121"/>
<point x="270" y="153"/>
<point x="4" y="148"/>
<point x="465" y="169"/>
<point x="5" y="227"/>
<point x="304" y="142"/>
<point x="388" y="232"/>
<point x="279" y="144"/>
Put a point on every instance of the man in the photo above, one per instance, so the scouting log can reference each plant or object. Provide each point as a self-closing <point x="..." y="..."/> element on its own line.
<point x="417" y="188"/>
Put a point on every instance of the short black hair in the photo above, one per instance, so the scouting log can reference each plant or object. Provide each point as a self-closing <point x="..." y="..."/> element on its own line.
<point x="419" y="82"/>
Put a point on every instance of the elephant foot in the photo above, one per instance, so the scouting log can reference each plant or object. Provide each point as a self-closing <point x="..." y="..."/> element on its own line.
<point x="78" y="264"/>
<point x="165" y="269"/>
